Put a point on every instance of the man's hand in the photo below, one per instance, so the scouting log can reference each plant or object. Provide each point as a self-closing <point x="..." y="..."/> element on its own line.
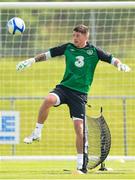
<point x="123" y="67"/>
<point x="25" y="64"/>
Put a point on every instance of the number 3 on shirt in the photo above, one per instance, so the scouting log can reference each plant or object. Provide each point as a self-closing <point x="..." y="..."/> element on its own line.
<point x="79" y="61"/>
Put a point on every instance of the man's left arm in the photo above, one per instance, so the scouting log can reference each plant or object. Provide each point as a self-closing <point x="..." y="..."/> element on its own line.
<point x="107" y="57"/>
<point x="121" y="67"/>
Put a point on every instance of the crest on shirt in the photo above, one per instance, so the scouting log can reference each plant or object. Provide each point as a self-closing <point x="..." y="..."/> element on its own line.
<point x="90" y="52"/>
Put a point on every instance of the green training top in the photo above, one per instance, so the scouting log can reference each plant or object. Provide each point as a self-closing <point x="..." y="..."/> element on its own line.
<point x="80" y="65"/>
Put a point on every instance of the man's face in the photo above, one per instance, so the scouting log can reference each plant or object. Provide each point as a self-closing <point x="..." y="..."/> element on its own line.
<point x="79" y="39"/>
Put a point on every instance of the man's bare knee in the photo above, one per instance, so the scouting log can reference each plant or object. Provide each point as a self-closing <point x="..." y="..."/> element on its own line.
<point x="50" y="100"/>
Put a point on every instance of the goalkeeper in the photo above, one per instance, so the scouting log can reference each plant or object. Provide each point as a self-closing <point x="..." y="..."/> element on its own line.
<point x="81" y="58"/>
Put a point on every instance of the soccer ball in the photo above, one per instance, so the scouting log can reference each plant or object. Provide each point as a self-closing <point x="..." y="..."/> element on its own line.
<point x="16" y="26"/>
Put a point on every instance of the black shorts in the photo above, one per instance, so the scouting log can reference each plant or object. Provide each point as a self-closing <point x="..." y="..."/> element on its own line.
<point x="75" y="100"/>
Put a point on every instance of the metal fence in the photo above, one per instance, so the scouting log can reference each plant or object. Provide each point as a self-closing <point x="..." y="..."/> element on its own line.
<point x="13" y="99"/>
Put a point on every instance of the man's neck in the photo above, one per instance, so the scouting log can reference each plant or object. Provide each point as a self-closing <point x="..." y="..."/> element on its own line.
<point x="82" y="45"/>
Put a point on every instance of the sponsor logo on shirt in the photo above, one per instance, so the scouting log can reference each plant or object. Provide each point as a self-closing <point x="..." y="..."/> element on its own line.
<point x="72" y="50"/>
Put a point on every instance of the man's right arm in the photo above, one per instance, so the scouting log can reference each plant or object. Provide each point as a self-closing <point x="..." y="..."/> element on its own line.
<point x="53" y="52"/>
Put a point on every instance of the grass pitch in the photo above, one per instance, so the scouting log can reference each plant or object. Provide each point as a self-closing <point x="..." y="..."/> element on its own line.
<point x="63" y="170"/>
<point x="38" y="81"/>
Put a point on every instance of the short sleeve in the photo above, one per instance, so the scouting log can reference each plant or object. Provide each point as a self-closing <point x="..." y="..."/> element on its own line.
<point x="58" y="51"/>
<point x="104" y="56"/>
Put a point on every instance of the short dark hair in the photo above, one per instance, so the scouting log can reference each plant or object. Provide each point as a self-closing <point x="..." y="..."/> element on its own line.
<point x="81" y="28"/>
